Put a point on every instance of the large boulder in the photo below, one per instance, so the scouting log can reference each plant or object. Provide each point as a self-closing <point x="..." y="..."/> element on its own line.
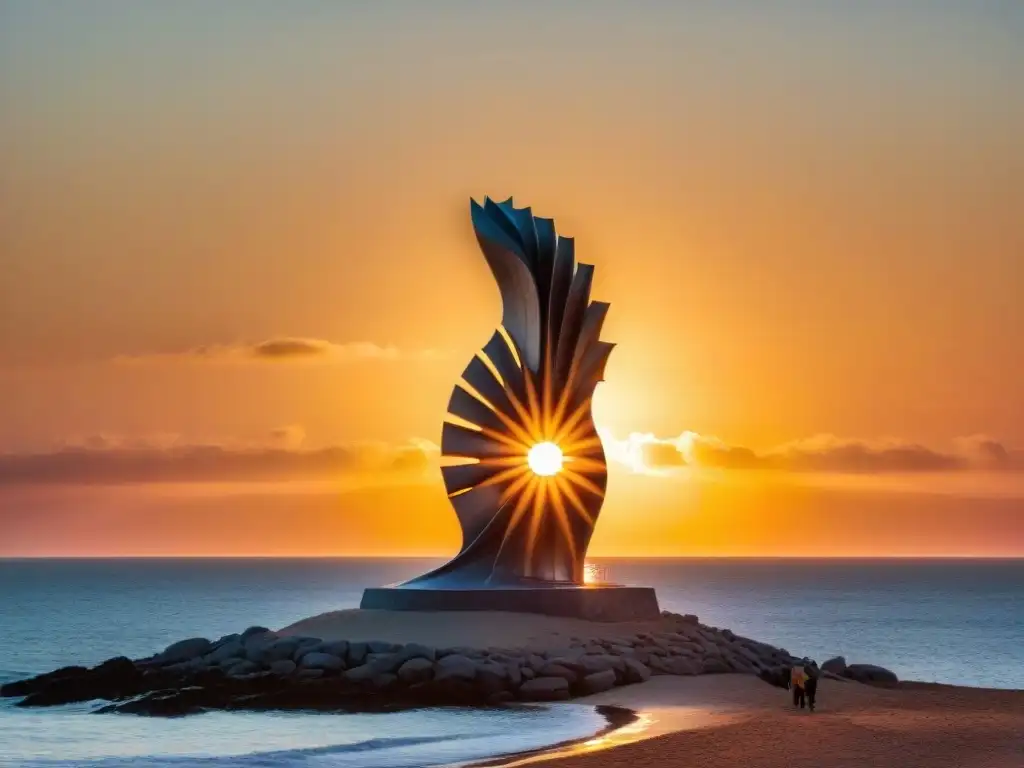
<point x="231" y="649"/>
<point x="712" y="665"/>
<point x="681" y="665"/>
<point x="357" y="653"/>
<point x="457" y="667"/>
<point x="304" y="646"/>
<point x="492" y="677"/>
<point x="280" y="650"/>
<point x="636" y="672"/>
<point x="324" y="661"/>
<point x="283" y="667"/>
<point x="33" y="684"/>
<point x="416" y="651"/>
<point x="870" y="673"/>
<point x="777" y="676"/>
<point x="337" y="648"/>
<point x="252" y="632"/>
<point x="835" y="665"/>
<point x="553" y="669"/>
<point x="598" y="663"/>
<point x="417" y="670"/>
<point x="183" y="650"/>
<point x="545" y="689"/>
<point x="242" y="667"/>
<point x="114" y="678"/>
<point x="598" y="682"/>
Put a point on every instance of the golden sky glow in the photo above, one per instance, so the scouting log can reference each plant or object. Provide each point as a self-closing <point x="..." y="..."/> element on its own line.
<point x="239" y="278"/>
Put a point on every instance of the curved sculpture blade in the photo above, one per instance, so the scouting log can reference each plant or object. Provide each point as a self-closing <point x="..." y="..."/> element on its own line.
<point x="533" y="382"/>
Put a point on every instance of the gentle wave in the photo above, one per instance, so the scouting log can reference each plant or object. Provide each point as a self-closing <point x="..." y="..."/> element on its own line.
<point x="281" y="757"/>
<point x="72" y="736"/>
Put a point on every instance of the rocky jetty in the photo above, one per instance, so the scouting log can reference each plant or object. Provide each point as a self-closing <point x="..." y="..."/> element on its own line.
<point x="259" y="669"/>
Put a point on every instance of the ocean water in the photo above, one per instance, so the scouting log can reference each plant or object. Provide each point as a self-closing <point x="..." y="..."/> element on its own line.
<point x="952" y="621"/>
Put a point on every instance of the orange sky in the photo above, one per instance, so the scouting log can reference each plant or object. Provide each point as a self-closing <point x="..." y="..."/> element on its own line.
<point x="807" y="223"/>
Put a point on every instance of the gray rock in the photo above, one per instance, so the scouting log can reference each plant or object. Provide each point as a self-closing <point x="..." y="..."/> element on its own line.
<point x="189" y="666"/>
<point x="282" y="667"/>
<point x="417" y="670"/>
<point x="309" y="674"/>
<point x="325" y="661"/>
<point x="835" y="665"/>
<point x="337" y="648"/>
<point x="596" y="663"/>
<point x="678" y="665"/>
<point x="357" y="653"/>
<point x="306" y="644"/>
<point x="242" y="667"/>
<point x="232" y="649"/>
<point x="279" y="650"/>
<point x="636" y="672"/>
<point x="416" y="651"/>
<point x="455" y="667"/>
<point x="382" y="660"/>
<point x="749" y="654"/>
<point x="256" y="644"/>
<point x="572" y="652"/>
<point x="253" y="632"/>
<point x="737" y="664"/>
<point x="225" y="640"/>
<point x="515" y="675"/>
<point x="183" y="650"/>
<point x="362" y="673"/>
<point x="527" y="673"/>
<point x="551" y="669"/>
<point x="597" y="682"/>
<point x="870" y="673"/>
<point x="545" y="689"/>
<point x="658" y="665"/>
<point x="715" y="666"/>
<point x="535" y="662"/>
<point x="492" y="677"/>
<point x="381" y="646"/>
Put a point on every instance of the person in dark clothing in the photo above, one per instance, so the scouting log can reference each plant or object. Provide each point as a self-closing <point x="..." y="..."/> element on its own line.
<point x="811" y="684"/>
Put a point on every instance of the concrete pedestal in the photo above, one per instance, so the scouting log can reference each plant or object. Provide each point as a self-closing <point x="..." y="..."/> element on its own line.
<point x="593" y="603"/>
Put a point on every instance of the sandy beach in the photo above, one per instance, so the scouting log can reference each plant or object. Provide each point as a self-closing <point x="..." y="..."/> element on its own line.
<point x="732" y="720"/>
<point x="737" y="720"/>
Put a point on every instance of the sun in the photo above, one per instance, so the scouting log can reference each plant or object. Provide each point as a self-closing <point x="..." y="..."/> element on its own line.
<point x="545" y="459"/>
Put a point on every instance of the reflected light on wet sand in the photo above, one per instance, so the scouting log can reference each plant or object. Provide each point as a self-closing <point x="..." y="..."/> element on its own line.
<point x="649" y="723"/>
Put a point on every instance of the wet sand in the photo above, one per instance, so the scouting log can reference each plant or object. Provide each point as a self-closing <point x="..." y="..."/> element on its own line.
<point x="737" y="721"/>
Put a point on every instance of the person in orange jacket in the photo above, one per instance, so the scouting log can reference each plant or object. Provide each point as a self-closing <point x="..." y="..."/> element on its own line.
<point x="797" y="681"/>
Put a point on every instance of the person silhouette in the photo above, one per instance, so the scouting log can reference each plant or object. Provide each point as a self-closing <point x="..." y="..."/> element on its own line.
<point x="811" y="683"/>
<point x="797" y="681"/>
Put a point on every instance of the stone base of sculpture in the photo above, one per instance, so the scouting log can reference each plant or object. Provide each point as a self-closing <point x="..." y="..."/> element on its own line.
<point x="591" y="602"/>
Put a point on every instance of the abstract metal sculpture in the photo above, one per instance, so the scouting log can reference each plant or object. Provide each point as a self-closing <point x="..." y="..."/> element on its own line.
<point x="529" y="390"/>
<point x="525" y="469"/>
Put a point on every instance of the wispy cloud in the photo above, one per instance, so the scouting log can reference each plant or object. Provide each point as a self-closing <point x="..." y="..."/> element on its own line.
<point x="283" y="349"/>
<point x="647" y="453"/>
<point x="103" y="459"/>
